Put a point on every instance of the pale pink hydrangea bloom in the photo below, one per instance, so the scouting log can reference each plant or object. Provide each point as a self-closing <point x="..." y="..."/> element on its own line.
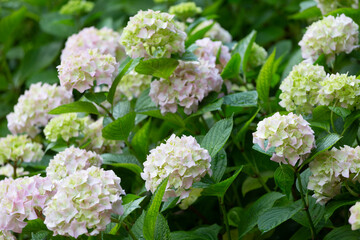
<point x="81" y="69"/>
<point x="31" y="111"/>
<point x="208" y="50"/>
<point x="105" y="40"/>
<point x="290" y="134"/>
<point x="329" y="36"/>
<point x="84" y="202"/>
<point x="354" y="219"/>
<point x="20" y="199"/>
<point x="216" y="32"/>
<point x="6" y="235"/>
<point x="180" y="159"/>
<point x="70" y="161"/>
<point x="187" y="86"/>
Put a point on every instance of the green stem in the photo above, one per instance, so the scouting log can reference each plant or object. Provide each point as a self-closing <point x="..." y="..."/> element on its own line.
<point x="129" y="231"/>
<point x="306" y="206"/>
<point x="223" y="210"/>
<point x="352" y="192"/>
<point x="332" y="121"/>
<point x="107" y="111"/>
<point x="205" y="123"/>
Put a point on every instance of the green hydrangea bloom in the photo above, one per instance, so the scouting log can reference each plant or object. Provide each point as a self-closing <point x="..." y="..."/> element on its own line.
<point x="64" y="126"/>
<point x="76" y="7"/>
<point x="257" y="56"/>
<point x="133" y="83"/>
<point x="185" y="10"/>
<point x="194" y="194"/>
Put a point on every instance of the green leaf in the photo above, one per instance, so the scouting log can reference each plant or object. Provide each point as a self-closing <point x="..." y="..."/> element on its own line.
<point x="244" y="48"/>
<point x="232" y="68"/>
<point x="269" y="152"/>
<point x="217" y="136"/>
<point x="34" y="226"/>
<point x="121" y="109"/>
<point x="41" y="235"/>
<point x="351" y="118"/>
<point x="324" y="144"/>
<point x="321" y="113"/>
<point x="332" y="206"/>
<point x="304" y="180"/>
<point x="284" y="178"/>
<point x="57" y="24"/>
<point x="342" y="112"/>
<point x="198" y="35"/>
<point x="10" y="23"/>
<point x="140" y="141"/>
<point x="252" y="183"/>
<point x="218" y="165"/>
<point x="242" y="99"/>
<point x="98" y="97"/>
<point x="240" y="135"/>
<point x="202" y="233"/>
<point x="120" y="128"/>
<point x="264" y="79"/>
<point x="162" y="230"/>
<point x="157" y="67"/>
<point x="170" y="203"/>
<point x="170" y="117"/>
<point x="277" y="215"/>
<point x="153" y="211"/>
<point x="316" y="210"/>
<point x="144" y="102"/>
<point x="79" y="106"/>
<point x="125" y="160"/>
<point x="325" y="125"/>
<point x="251" y="215"/>
<point x="188" y="55"/>
<point x="208" y="108"/>
<point x="343" y="233"/>
<point x="219" y="189"/>
<point x="309" y="13"/>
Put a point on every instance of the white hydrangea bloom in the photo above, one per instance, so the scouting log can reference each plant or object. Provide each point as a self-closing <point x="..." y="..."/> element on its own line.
<point x="133" y="83"/>
<point x="187" y="86"/>
<point x="216" y="32"/>
<point x="105" y="40"/>
<point x="19" y="148"/>
<point x="180" y="159"/>
<point x="290" y="134"/>
<point x="6" y="235"/>
<point x="84" y="202"/>
<point x="31" y="111"/>
<point x="70" y="161"/>
<point x="340" y="90"/>
<point x="354" y="219"/>
<point x="327" y="6"/>
<point x="329" y="36"/>
<point x="152" y="34"/>
<point x="301" y="87"/>
<point x="8" y="171"/>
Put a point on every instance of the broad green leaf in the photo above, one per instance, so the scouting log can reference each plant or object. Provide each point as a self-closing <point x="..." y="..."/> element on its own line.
<point x="79" y="106"/>
<point x="208" y="108"/>
<point x="244" y="49"/>
<point x="153" y="211"/>
<point x="264" y="79"/>
<point x="202" y="233"/>
<point x="273" y="217"/>
<point x="332" y="206"/>
<point x="199" y="34"/>
<point x="321" y="113"/>
<point x="157" y="67"/>
<point x="342" y="112"/>
<point x="316" y="210"/>
<point x="232" y="68"/>
<point x="218" y="165"/>
<point x="144" y="102"/>
<point x="235" y="215"/>
<point x="240" y="135"/>
<point x="343" y="233"/>
<point x="34" y="226"/>
<point x="242" y="99"/>
<point x="125" y="160"/>
<point x="324" y="144"/>
<point x="303" y="233"/>
<point x="325" y="125"/>
<point x="351" y="118"/>
<point x="121" y="109"/>
<point x="57" y="24"/>
<point x="217" y="136"/>
<point x="309" y="13"/>
<point x="120" y="128"/>
<point x="98" y="97"/>
<point x="295" y="59"/>
<point x="170" y="203"/>
<point x="170" y="117"/>
<point x="284" y="178"/>
<point x="251" y="215"/>
<point x="269" y="152"/>
<point x="304" y="180"/>
<point x="10" y="23"/>
<point x="41" y="235"/>
<point x="162" y="230"/>
<point x="140" y="141"/>
<point x="188" y="55"/>
<point x="219" y="189"/>
<point x="252" y="183"/>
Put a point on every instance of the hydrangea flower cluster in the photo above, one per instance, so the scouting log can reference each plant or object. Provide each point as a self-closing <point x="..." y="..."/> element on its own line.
<point x="70" y="161"/>
<point x="329" y="36"/>
<point x="185" y="10"/>
<point x="105" y="40"/>
<point x="84" y="202"/>
<point x="290" y="134"/>
<point x="180" y="159"/>
<point x="76" y="7"/>
<point x="354" y="219"/>
<point x="65" y="126"/>
<point x="194" y="194"/>
<point x="8" y="171"/>
<point x="6" y="235"/>
<point x="19" y="148"/>
<point x="31" y="111"/>
<point x="80" y="70"/>
<point x="20" y="199"/>
<point x="300" y="88"/>
<point x="152" y="34"/>
<point x="208" y="51"/>
<point x="340" y="90"/>
<point x="257" y="56"/>
<point x="133" y="83"/>
<point x="216" y="32"/>
<point x="327" y="6"/>
<point x="187" y="86"/>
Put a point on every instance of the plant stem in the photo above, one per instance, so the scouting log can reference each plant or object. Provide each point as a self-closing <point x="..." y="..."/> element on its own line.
<point x="352" y="192"/>
<point x="205" y="123"/>
<point x="306" y="206"/>
<point x="223" y="210"/>
<point x="107" y="111"/>
<point x="332" y="121"/>
<point x="129" y="231"/>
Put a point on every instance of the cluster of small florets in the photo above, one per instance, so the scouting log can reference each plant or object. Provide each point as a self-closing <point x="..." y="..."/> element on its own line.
<point x="180" y="159"/>
<point x="133" y="83"/>
<point x="185" y="10"/>
<point x="290" y="135"/>
<point x="6" y="235"/>
<point x="84" y="202"/>
<point x="187" y="86"/>
<point x="105" y="40"/>
<point x="31" y="111"/>
<point x="340" y="90"/>
<point x="216" y="32"/>
<point x="8" y="171"/>
<point x="300" y="88"/>
<point x="64" y="126"/>
<point x="329" y="36"/>
<point x="21" y="199"/>
<point x="327" y="6"/>
<point x="70" y="161"/>
<point x="354" y="219"/>
<point x="19" y="148"/>
<point x="212" y="51"/>
<point x="257" y="56"/>
<point x="80" y="70"/>
<point x="152" y="34"/>
<point x="76" y="7"/>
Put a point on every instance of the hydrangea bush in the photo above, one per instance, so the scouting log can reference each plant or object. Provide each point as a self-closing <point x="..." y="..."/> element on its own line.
<point x="168" y="123"/>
